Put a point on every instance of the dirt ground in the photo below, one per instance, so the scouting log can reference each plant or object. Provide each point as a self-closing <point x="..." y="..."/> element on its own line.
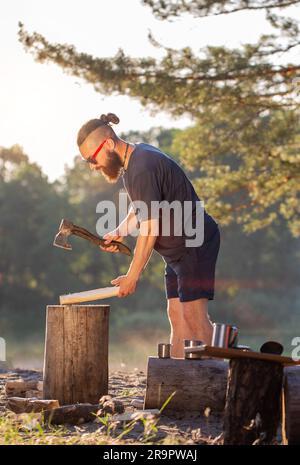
<point x="126" y="386"/>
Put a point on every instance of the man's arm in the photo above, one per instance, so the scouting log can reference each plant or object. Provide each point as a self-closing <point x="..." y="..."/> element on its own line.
<point x="128" y="224"/>
<point x="142" y="252"/>
<point x="125" y="227"/>
<point x="144" y="247"/>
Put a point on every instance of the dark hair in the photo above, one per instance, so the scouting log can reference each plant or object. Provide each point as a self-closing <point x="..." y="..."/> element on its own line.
<point x="93" y="124"/>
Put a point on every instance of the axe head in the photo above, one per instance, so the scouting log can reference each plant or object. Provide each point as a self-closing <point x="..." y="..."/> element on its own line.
<point x="61" y="238"/>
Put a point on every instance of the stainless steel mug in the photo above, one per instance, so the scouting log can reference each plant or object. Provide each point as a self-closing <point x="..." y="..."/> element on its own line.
<point x="192" y="343"/>
<point x="224" y="335"/>
<point x="164" y="350"/>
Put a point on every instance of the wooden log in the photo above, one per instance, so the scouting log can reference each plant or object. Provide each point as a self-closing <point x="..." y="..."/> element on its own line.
<point x="252" y="409"/>
<point x="28" y="405"/>
<point x="76" y="353"/>
<point x="199" y="384"/>
<point x="291" y="406"/>
<point x="72" y="414"/>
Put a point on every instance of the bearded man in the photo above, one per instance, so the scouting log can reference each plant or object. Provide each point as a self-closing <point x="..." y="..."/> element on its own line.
<point x="149" y="175"/>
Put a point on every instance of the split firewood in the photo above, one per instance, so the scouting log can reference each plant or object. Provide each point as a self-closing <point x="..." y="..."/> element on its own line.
<point x="74" y="414"/>
<point x="23" y="405"/>
<point x="19" y="387"/>
<point x="33" y="394"/>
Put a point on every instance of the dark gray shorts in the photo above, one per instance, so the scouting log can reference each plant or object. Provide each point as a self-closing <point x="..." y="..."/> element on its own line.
<point x="193" y="275"/>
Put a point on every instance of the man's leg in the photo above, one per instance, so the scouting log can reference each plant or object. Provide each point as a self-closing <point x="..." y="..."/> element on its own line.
<point x="175" y="314"/>
<point x="197" y="324"/>
<point x="188" y="320"/>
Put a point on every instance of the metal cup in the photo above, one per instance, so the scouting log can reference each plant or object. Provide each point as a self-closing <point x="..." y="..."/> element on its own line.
<point x="164" y="350"/>
<point x="192" y="343"/>
<point x="225" y="336"/>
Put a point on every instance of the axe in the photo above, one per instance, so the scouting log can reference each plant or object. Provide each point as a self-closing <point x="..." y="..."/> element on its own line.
<point x="66" y="228"/>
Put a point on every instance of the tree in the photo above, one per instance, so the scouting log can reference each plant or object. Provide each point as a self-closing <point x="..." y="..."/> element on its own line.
<point x="244" y="104"/>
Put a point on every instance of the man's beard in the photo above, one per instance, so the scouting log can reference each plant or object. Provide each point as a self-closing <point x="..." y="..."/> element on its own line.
<point x="112" y="171"/>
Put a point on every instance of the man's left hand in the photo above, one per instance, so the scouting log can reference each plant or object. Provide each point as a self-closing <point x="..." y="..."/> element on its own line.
<point x="127" y="285"/>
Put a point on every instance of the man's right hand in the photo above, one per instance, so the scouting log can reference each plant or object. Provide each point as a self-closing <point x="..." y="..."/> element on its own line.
<point x="112" y="236"/>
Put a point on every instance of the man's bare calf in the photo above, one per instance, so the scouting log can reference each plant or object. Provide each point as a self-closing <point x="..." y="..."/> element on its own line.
<point x="188" y="320"/>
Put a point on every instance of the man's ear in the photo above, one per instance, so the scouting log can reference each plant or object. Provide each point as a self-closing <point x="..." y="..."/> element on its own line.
<point x="110" y="144"/>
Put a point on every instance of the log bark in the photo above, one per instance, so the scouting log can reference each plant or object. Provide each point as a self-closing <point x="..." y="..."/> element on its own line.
<point x="199" y="384"/>
<point x="252" y="410"/>
<point x="291" y="406"/>
<point x="76" y="353"/>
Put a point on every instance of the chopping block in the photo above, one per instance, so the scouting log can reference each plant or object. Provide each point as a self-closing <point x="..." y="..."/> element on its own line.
<point x="76" y="353"/>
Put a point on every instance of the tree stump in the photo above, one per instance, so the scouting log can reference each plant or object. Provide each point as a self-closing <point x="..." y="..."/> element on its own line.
<point x="76" y="353"/>
<point x="252" y="409"/>
<point x="291" y="406"/>
<point x="199" y="384"/>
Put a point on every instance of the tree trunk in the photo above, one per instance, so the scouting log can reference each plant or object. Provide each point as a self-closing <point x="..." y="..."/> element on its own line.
<point x="291" y="406"/>
<point x="199" y="384"/>
<point x="252" y="408"/>
<point x="76" y="353"/>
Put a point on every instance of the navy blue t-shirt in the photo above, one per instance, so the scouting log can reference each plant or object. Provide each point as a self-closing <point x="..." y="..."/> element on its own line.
<point x="151" y="175"/>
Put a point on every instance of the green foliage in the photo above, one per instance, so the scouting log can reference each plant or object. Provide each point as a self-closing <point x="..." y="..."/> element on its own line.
<point x="164" y="9"/>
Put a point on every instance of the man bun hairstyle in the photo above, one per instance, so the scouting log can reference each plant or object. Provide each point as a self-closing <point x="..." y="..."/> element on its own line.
<point x="110" y="118"/>
<point x="103" y="122"/>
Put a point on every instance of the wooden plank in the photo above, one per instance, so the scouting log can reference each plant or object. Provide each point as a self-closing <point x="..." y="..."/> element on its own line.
<point x="87" y="296"/>
<point x="221" y="352"/>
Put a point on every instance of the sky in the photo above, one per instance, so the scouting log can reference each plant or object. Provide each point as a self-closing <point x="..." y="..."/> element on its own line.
<point x="41" y="108"/>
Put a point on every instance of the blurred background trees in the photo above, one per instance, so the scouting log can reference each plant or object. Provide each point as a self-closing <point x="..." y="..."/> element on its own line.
<point x="257" y="278"/>
<point x="241" y="153"/>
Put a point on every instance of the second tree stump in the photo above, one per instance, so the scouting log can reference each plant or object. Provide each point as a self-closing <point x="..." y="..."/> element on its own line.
<point x="253" y="406"/>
